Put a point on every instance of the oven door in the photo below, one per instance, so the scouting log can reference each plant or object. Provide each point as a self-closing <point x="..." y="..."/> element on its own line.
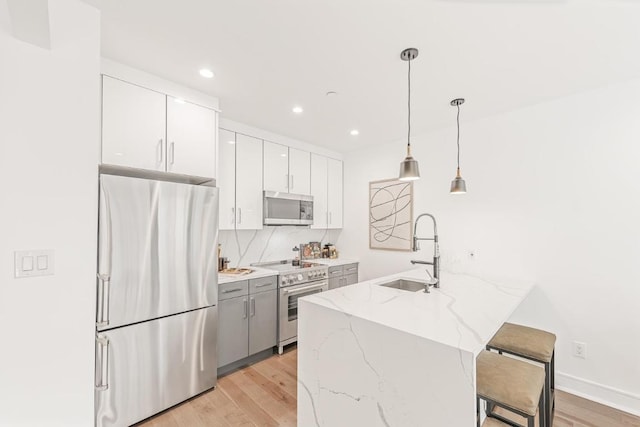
<point x="289" y="306"/>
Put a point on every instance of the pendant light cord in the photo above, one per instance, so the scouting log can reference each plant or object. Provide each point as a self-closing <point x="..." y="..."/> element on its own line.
<point x="458" y="141"/>
<point x="409" y="106"/>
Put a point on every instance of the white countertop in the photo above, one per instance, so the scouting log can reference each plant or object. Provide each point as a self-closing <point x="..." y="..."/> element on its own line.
<point x="258" y="272"/>
<point x="463" y="313"/>
<point x="332" y="262"/>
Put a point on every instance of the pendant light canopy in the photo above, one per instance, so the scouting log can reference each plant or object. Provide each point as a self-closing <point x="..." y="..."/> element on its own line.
<point x="458" y="186"/>
<point x="409" y="170"/>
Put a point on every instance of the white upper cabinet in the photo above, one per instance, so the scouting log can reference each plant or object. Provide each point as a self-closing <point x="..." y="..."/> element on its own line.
<point x="334" y="192"/>
<point x="133" y="125"/>
<point x="248" y="182"/>
<point x="319" y="185"/>
<point x="191" y="138"/>
<point x="227" y="179"/>
<point x="299" y="171"/>
<point x="145" y="129"/>
<point x="286" y="169"/>
<point x="276" y="167"/>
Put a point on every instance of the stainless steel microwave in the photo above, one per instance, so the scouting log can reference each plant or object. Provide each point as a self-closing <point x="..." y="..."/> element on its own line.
<point x="287" y="209"/>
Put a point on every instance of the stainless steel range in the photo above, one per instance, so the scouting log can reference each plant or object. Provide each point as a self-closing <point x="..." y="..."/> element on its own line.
<point x="295" y="282"/>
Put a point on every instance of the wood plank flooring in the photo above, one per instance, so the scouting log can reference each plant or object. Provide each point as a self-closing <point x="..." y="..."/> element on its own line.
<point x="264" y="394"/>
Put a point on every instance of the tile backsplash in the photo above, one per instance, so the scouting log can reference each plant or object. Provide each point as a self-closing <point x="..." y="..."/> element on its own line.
<point x="244" y="247"/>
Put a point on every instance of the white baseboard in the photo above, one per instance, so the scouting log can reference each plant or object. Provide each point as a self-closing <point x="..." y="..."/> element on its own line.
<point x="609" y="396"/>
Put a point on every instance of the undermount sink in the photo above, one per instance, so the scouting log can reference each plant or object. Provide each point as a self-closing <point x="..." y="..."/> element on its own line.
<point x="405" y="285"/>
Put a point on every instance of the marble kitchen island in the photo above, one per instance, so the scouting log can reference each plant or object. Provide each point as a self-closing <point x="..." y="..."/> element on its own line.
<point x="370" y="355"/>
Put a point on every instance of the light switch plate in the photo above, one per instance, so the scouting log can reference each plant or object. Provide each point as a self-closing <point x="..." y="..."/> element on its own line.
<point x="33" y="263"/>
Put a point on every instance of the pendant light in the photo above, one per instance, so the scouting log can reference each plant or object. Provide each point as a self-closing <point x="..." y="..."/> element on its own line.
<point x="458" y="185"/>
<point x="409" y="167"/>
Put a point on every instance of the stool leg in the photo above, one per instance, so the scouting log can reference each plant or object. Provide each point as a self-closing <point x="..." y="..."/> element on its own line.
<point x="542" y="409"/>
<point x="477" y="411"/>
<point x="547" y="393"/>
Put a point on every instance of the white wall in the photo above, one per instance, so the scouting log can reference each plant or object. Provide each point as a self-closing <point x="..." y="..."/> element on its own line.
<point x="554" y="196"/>
<point x="49" y="140"/>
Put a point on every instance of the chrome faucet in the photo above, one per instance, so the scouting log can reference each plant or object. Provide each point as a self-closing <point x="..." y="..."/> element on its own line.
<point x="435" y="278"/>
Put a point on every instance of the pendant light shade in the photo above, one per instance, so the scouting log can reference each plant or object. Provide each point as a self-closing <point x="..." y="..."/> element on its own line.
<point x="409" y="170"/>
<point x="458" y="186"/>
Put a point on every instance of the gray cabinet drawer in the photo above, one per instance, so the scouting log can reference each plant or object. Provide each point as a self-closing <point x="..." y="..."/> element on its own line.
<point x="335" y="271"/>
<point x="350" y="268"/>
<point x="233" y="289"/>
<point x="264" y="284"/>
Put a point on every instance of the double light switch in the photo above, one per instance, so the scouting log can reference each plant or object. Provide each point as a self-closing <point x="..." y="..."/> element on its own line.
<point x="33" y="263"/>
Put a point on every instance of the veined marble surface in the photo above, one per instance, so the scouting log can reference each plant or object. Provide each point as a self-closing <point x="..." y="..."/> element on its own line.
<point x="336" y="261"/>
<point x="256" y="274"/>
<point x="376" y="356"/>
<point x="463" y="313"/>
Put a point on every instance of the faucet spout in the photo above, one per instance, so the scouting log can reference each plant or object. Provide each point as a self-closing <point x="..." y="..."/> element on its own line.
<point x="436" y="249"/>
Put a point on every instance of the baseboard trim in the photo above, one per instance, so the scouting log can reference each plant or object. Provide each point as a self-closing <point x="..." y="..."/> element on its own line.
<point x="600" y="393"/>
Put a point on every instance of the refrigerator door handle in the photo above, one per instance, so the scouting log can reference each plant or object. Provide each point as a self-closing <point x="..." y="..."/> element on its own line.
<point x="104" y="283"/>
<point x="102" y="363"/>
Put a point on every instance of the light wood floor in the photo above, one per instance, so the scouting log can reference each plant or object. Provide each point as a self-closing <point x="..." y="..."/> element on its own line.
<point x="264" y="394"/>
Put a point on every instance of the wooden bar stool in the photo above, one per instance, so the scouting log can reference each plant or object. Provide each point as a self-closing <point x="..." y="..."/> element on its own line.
<point x="511" y="384"/>
<point x="532" y="344"/>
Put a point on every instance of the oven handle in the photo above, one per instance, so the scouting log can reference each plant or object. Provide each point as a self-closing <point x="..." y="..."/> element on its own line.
<point x="305" y="288"/>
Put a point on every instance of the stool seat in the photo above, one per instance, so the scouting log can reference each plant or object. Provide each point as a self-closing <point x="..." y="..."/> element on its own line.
<point x="492" y="422"/>
<point x="522" y="340"/>
<point x="508" y="381"/>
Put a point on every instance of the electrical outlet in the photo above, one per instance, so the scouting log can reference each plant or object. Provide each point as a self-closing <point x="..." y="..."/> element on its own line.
<point x="579" y="349"/>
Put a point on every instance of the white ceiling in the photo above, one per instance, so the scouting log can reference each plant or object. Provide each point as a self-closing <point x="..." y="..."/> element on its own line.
<point x="270" y="55"/>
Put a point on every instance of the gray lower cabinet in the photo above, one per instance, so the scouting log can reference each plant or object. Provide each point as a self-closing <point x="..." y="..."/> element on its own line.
<point x="263" y="321"/>
<point x="334" y="282"/>
<point x="248" y="318"/>
<point x="343" y="275"/>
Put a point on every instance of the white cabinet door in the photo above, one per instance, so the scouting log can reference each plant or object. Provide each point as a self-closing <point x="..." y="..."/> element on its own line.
<point x="319" y="190"/>
<point x="334" y="191"/>
<point x="133" y="125"/>
<point x="276" y="167"/>
<point x="248" y="183"/>
<point x="227" y="179"/>
<point x="299" y="171"/>
<point x="191" y="139"/>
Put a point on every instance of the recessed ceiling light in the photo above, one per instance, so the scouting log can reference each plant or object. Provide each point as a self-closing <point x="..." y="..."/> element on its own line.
<point x="283" y="155"/>
<point x="297" y="109"/>
<point x="179" y="100"/>
<point x="355" y="132"/>
<point x="231" y="141"/>
<point x="206" y="73"/>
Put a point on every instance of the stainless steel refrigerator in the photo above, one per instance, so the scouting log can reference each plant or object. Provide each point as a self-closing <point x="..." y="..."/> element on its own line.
<point x="156" y="323"/>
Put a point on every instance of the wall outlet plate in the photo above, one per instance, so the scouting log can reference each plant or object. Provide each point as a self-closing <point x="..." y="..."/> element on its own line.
<point x="579" y="349"/>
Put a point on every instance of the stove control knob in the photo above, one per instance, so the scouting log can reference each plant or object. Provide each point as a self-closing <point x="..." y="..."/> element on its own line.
<point x="284" y="280"/>
<point x="313" y="275"/>
<point x="300" y="277"/>
<point x="292" y="279"/>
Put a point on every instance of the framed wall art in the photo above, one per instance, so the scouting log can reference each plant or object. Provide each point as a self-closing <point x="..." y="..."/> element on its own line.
<point x="390" y="214"/>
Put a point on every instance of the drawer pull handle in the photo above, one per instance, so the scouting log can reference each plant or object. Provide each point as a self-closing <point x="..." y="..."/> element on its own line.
<point x="228" y="291"/>
<point x="264" y="284"/>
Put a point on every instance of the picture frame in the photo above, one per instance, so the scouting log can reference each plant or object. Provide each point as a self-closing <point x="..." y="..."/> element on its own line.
<point x="390" y="215"/>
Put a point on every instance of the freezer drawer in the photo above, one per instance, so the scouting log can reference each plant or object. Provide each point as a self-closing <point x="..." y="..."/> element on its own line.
<point x="145" y="368"/>
<point x="157" y="254"/>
